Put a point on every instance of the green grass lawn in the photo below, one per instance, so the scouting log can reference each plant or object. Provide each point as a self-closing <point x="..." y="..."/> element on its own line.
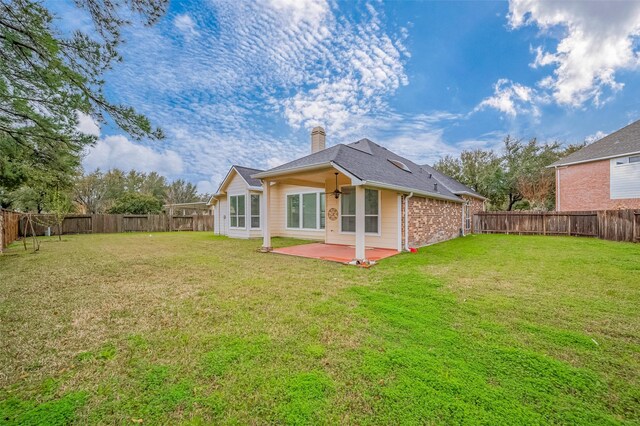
<point x="192" y="328"/>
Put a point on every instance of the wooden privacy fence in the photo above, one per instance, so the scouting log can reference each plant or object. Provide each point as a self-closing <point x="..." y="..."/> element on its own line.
<point x="113" y="223"/>
<point x="615" y="225"/>
<point x="9" y="227"/>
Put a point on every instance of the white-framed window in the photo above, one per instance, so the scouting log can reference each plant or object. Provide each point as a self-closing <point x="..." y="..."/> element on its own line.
<point x="628" y="160"/>
<point x="255" y="211"/>
<point x="348" y="210"/>
<point x="306" y="210"/>
<point x="237" y="207"/>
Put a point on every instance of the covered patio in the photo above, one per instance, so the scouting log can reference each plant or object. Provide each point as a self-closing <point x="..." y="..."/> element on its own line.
<point x="335" y="252"/>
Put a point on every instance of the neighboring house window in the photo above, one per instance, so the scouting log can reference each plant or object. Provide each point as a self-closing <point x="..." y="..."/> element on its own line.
<point x="628" y="160"/>
<point x="371" y="210"/>
<point x="237" y="211"/>
<point x="255" y="211"/>
<point x="306" y="210"/>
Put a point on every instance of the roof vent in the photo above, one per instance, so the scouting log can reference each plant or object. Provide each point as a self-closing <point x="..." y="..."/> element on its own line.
<point x="430" y="175"/>
<point x="399" y="164"/>
<point x="435" y="187"/>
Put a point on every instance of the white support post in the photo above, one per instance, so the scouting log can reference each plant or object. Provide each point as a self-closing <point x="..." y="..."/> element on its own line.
<point x="360" y="238"/>
<point x="266" y="225"/>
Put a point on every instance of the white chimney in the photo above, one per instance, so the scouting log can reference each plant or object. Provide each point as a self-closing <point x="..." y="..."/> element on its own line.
<point x="318" y="139"/>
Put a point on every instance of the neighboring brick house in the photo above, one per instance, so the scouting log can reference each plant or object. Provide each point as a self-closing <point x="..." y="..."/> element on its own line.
<point x="604" y="175"/>
<point x="359" y="194"/>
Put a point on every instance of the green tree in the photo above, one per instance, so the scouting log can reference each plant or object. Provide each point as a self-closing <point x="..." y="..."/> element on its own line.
<point x="181" y="191"/>
<point x="59" y="204"/>
<point x="524" y="164"/>
<point x="136" y="203"/>
<point x="478" y="169"/>
<point x="90" y="191"/>
<point x="154" y="184"/>
<point x="47" y="79"/>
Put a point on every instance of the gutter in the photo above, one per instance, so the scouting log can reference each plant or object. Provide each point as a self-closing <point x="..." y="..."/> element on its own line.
<point x="471" y="194"/>
<point x="406" y="221"/>
<point x="412" y="190"/>
<point x="592" y="160"/>
<point x="268" y="174"/>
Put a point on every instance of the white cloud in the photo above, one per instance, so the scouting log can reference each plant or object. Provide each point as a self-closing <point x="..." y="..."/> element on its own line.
<point x="596" y="136"/>
<point x="596" y="40"/>
<point x="87" y="125"/>
<point x="207" y="186"/>
<point x="418" y="137"/>
<point x="309" y="10"/>
<point x="512" y="99"/>
<point x="366" y="65"/>
<point x="271" y="67"/>
<point x="186" y="25"/>
<point x="118" y="151"/>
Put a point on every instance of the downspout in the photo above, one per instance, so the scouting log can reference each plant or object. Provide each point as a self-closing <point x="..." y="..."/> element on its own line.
<point x="557" y="189"/>
<point x="406" y="221"/>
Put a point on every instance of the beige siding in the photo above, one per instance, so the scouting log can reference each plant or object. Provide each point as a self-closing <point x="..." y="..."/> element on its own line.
<point x="236" y="186"/>
<point x="279" y="211"/>
<point x="254" y="233"/>
<point x="222" y="216"/>
<point x="388" y="237"/>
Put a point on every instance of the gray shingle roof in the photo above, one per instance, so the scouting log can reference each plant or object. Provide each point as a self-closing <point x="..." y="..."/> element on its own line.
<point x="453" y="185"/>
<point x="618" y="143"/>
<point x="246" y="173"/>
<point x="370" y="162"/>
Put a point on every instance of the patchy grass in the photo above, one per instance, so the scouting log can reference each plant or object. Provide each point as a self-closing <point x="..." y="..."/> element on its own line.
<point x="192" y="328"/>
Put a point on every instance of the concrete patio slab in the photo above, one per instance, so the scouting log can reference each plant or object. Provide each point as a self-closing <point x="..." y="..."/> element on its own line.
<point x="334" y="252"/>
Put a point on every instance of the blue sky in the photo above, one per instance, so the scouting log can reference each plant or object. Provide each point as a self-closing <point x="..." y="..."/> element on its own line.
<point x="244" y="82"/>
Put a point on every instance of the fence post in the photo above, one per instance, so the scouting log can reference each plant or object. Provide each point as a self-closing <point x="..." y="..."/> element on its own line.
<point x="569" y="224"/>
<point x="1" y="231"/>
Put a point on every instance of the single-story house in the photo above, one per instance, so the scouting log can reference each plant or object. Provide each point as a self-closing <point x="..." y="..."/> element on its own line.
<point x="237" y="204"/>
<point x="604" y="175"/>
<point x="358" y="194"/>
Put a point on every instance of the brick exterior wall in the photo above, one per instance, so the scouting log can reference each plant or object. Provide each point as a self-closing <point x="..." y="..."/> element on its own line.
<point x="476" y="205"/>
<point x="586" y="187"/>
<point x="432" y="221"/>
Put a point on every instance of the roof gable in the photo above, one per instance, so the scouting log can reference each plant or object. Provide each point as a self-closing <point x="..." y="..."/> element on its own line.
<point x="619" y="143"/>
<point x="244" y="173"/>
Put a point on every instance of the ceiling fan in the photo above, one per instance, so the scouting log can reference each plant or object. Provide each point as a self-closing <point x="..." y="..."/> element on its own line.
<point x="336" y="192"/>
